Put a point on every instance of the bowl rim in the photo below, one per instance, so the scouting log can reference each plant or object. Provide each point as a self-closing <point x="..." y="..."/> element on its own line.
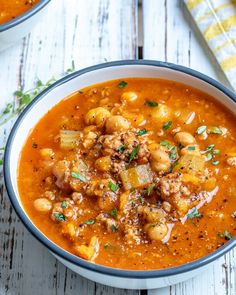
<point x="24" y="16"/>
<point x="75" y="260"/>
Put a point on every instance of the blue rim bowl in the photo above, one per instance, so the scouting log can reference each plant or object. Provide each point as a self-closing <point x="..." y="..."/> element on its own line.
<point x="138" y="274"/>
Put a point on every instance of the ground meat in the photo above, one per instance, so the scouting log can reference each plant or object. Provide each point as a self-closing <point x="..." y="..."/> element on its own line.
<point x="172" y="184"/>
<point x="120" y="145"/>
<point x="61" y="170"/>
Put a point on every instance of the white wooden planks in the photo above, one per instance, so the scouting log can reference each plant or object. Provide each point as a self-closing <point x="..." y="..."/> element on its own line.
<point x="170" y="35"/>
<point x="91" y="32"/>
<point x="88" y="32"/>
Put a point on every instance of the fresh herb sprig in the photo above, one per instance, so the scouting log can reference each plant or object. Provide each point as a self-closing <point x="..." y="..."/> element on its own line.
<point x="23" y="98"/>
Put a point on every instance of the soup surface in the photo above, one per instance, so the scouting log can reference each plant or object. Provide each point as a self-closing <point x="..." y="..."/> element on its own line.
<point x="134" y="174"/>
<point x="10" y="9"/>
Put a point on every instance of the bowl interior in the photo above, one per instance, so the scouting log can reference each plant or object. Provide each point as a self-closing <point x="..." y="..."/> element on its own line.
<point x="91" y="76"/>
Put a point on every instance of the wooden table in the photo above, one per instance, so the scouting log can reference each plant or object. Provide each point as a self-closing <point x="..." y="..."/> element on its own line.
<point x="91" y="32"/>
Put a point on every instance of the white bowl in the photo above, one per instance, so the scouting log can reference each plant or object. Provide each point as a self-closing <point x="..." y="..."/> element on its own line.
<point x="45" y="101"/>
<point x="12" y="31"/>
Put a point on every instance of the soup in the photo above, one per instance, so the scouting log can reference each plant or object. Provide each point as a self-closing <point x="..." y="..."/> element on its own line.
<point x="134" y="174"/>
<point x="10" y="9"/>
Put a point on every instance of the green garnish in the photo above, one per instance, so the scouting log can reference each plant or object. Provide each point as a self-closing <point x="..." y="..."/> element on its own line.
<point x="201" y="129"/>
<point x="225" y="235"/>
<point x="215" y="130"/>
<point x="114" y="228"/>
<point x="165" y="143"/>
<point x="194" y="214"/>
<point x="141" y="132"/>
<point x="72" y="68"/>
<point x="142" y="200"/>
<point x="208" y="157"/>
<point x="121" y="148"/>
<point x="114" y="212"/>
<point x="151" y="103"/>
<point x="64" y="204"/>
<point x="216" y="152"/>
<point x="90" y="221"/>
<point x="173" y="153"/>
<point x="34" y="145"/>
<point x="134" y="153"/>
<point x="107" y="246"/>
<point x="167" y="125"/>
<point x="122" y="84"/>
<point x="114" y="187"/>
<point x="149" y="189"/>
<point x="78" y="176"/>
<point x="215" y="162"/>
<point x="191" y="148"/>
<point x="60" y="216"/>
<point x="180" y="146"/>
<point x="209" y="148"/>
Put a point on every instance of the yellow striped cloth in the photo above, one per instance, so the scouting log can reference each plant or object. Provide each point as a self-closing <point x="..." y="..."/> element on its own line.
<point x="216" y="19"/>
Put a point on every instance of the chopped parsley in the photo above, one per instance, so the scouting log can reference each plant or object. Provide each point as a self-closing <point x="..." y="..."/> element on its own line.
<point x="226" y="235"/>
<point x="208" y="157"/>
<point x="78" y="176"/>
<point x="107" y="246"/>
<point x="151" y="103"/>
<point x="201" y="129"/>
<point x="122" y="84"/>
<point x="114" y="212"/>
<point x="34" y="145"/>
<point x="142" y="200"/>
<point x="114" y="228"/>
<point x="194" y="213"/>
<point x="134" y="153"/>
<point x="216" y="152"/>
<point x="167" y="125"/>
<point x="214" y="130"/>
<point x="141" y="132"/>
<point x="191" y="148"/>
<point x="165" y="143"/>
<point x="89" y="221"/>
<point x="60" y="216"/>
<point x="64" y="204"/>
<point x="209" y="148"/>
<point x="149" y="189"/>
<point x="215" y="162"/>
<point x="114" y="187"/>
<point x="121" y="148"/>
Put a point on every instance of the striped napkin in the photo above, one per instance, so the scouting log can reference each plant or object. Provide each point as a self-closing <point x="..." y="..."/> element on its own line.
<point x="216" y="20"/>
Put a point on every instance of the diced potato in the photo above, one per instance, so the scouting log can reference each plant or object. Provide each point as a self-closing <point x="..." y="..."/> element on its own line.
<point x="190" y="164"/>
<point x="136" y="177"/>
<point x="103" y="163"/>
<point x="209" y="184"/>
<point x="89" y="252"/>
<point x="124" y="199"/>
<point x="190" y="178"/>
<point x="69" y="139"/>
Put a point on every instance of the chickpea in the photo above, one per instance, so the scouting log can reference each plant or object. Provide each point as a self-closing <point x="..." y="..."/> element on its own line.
<point x="151" y="214"/>
<point x="157" y="231"/>
<point x="231" y="161"/>
<point x="161" y="113"/>
<point x="129" y="96"/>
<point x="116" y="123"/>
<point x="160" y="160"/>
<point x="103" y="163"/>
<point x="47" y="153"/>
<point x="42" y="205"/>
<point x="97" y="116"/>
<point x="184" y="138"/>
